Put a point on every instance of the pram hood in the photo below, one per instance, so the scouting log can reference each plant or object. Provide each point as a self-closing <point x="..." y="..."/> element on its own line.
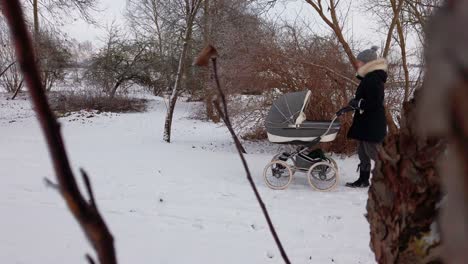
<point x="286" y="121"/>
<point x="288" y="110"/>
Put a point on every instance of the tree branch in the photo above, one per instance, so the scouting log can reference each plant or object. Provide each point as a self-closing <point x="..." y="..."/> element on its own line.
<point x="327" y="69"/>
<point x="396" y="15"/>
<point x="86" y="214"/>
<point x="335" y="26"/>
<point x="203" y="60"/>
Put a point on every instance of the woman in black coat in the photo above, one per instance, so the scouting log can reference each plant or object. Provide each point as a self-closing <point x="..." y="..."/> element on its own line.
<point x="369" y="124"/>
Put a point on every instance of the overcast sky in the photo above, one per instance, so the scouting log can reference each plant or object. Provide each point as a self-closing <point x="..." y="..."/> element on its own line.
<point x="360" y="27"/>
<point x="112" y="11"/>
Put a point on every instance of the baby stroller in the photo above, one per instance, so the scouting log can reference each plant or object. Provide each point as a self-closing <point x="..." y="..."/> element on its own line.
<point x="286" y="124"/>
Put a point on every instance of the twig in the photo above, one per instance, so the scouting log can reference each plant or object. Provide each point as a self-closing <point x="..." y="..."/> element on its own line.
<point x="89" y="188"/>
<point x="327" y="69"/>
<point x="51" y="184"/>
<point x="86" y="214"/>
<point x="202" y="60"/>
<point x="90" y="259"/>
<point x="6" y="69"/>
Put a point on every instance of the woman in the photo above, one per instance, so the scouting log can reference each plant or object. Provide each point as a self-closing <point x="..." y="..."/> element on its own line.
<point x="369" y="124"/>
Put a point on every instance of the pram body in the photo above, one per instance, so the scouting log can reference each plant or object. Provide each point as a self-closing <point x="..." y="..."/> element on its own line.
<point x="286" y="123"/>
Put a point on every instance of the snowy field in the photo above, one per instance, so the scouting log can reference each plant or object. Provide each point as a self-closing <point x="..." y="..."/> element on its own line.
<point x="184" y="202"/>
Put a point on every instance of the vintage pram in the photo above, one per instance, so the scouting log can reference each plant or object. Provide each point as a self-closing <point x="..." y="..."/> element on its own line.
<point x="286" y="123"/>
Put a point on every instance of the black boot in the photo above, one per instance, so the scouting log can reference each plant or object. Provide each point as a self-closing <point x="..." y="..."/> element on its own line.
<point x="362" y="182"/>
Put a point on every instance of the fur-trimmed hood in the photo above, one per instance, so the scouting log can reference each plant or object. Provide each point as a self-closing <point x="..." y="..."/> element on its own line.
<point x="379" y="64"/>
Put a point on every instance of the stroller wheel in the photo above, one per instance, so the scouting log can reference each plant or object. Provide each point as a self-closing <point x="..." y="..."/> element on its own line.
<point x="333" y="162"/>
<point x="278" y="175"/>
<point x="322" y="176"/>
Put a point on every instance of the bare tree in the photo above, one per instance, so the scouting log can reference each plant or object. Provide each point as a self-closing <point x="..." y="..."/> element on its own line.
<point x="335" y="22"/>
<point x="61" y="9"/>
<point x="393" y="10"/>
<point x="191" y="10"/>
<point x="159" y="24"/>
<point x="10" y="76"/>
<point x="53" y="57"/>
<point x="118" y="64"/>
<point x="417" y="14"/>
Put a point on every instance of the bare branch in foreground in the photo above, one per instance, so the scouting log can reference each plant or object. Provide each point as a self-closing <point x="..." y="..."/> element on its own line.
<point x="85" y="213"/>
<point x="224" y="115"/>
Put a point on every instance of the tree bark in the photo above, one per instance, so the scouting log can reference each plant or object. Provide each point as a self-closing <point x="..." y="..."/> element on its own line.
<point x="404" y="195"/>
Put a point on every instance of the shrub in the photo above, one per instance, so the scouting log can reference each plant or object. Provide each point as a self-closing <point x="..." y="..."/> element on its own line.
<point x="66" y="102"/>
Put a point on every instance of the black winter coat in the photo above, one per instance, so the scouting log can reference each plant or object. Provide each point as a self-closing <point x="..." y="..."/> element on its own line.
<point x="371" y="124"/>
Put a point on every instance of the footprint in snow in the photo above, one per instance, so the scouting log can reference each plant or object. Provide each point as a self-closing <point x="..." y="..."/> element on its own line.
<point x="198" y="225"/>
<point x="333" y="218"/>
<point x="270" y="255"/>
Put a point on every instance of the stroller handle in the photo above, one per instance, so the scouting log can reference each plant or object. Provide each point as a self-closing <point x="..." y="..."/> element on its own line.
<point x="344" y="110"/>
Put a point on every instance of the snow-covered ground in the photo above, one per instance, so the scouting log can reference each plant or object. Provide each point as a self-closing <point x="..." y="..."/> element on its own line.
<point x="184" y="202"/>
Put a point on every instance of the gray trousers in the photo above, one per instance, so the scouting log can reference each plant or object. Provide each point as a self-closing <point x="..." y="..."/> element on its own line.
<point x="367" y="151"/>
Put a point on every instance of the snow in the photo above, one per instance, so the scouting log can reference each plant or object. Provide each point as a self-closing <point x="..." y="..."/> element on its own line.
<point x="184" y="202"/>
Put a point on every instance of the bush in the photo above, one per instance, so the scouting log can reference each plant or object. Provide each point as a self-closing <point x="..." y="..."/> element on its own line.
<point x="259" y="133"/>
<point x="63" y="103"/>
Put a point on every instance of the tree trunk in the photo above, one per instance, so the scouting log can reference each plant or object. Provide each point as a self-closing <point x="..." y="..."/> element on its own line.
<point x="36" y="18"/>
<point x="169" y="116"/>
<point x="114" y="89"/>
<point x="188" y="79"/>
<point x="444" y="101"/>
<point x="175" y="90"/>
<point x="402" y="44"/>
<point x="404" y="195"/>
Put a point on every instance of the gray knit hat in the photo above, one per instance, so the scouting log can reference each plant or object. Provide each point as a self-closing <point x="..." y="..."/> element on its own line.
<point x="368" y="54"/>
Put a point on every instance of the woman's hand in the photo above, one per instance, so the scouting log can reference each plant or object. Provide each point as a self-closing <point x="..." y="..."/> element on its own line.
<point x="356" y="104"/>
